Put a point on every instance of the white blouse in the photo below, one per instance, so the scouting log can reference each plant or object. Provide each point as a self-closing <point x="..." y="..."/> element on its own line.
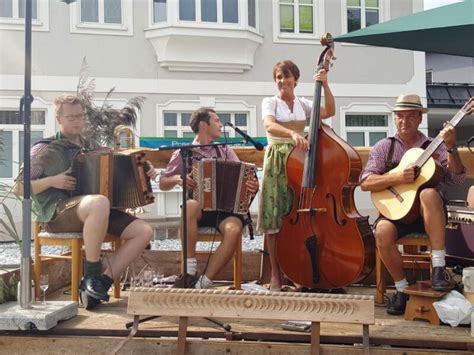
<point x="276" y="107"/>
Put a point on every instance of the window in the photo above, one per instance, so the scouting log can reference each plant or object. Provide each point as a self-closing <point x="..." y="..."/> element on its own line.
<point x="11" y="139"/>
<point x="217" y="11"/>
<point x="365" y="129"/>
<point x="159" y="11"/>
<point x="102" y="11"/>
<point x="17" y="8"/>
<point x="362" y="13"/>
<point x="252" y="13"/>
<point x="176" y="124"/>
<point x="12" y="14"/>
<point x="296" y="16"/>
<point x="103" y="16"/>
<point x="300" y="21"/>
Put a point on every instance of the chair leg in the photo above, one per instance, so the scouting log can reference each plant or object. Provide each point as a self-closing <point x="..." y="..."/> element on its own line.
<point x="380" y="284"/>
<point x="238" y="266"/>
<point x="116" y="246"/>
<point x="75" y="266"/>
<point x="37" y="265"/>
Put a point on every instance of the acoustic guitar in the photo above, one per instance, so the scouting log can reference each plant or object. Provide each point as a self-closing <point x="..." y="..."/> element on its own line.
<point x="401" y="202"/>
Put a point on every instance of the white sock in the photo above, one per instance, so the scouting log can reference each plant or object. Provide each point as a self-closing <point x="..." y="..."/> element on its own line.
<point x="438" y="257"/>
<point x="203" y="282"/>
<point x="401" y="285"/>
<point x="191" y="267"/>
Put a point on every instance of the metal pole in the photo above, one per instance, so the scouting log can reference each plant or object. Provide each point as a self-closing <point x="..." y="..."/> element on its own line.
<point x="25" y="265"/>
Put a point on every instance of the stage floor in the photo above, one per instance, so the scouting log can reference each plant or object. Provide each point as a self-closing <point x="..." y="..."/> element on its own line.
<point x="103" y="329"/>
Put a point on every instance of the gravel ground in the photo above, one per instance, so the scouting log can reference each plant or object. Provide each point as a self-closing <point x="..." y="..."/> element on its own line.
<point x="10" y="253"/>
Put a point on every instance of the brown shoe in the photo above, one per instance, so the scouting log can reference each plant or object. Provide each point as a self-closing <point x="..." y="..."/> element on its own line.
<point x="440" y="279"/>
<point x="190" y="281"/>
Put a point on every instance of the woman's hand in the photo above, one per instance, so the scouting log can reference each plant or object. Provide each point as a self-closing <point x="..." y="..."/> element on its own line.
<point x="300" y="141"/>
<point x="322" y="75"/>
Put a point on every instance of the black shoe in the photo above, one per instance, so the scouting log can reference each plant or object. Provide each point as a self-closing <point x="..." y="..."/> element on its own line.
<point x="94" y="286"/>
<point x="440" y="279"/>
<point x="398" y="304"/>
<point x="88" y="301"/>
<point x="190" y="281"/>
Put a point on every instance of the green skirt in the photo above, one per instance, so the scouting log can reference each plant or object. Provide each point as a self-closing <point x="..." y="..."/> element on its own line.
<point x="276" y="198"/>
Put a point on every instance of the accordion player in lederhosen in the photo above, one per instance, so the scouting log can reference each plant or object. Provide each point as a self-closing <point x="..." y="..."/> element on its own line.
<point x="207" y="126"/>
<point x="60" y="211"/>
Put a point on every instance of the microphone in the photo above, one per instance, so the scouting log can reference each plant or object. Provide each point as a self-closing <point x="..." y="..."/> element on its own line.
<point x="247" y="138"/>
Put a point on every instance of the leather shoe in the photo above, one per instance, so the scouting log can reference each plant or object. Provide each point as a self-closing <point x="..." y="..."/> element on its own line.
<point x="190" y="281"/>
<point x="398" y="303"/>
<point x="440" y="279"/>
<point x="87" y="301"/>
<point x="94" y="287"/>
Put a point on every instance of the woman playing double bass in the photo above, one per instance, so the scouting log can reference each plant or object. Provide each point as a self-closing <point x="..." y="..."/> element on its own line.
<point x="284" y="117"/>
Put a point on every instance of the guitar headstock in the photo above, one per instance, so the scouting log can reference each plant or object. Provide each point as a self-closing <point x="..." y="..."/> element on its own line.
<point x="327" y="57"/>
<point x="468" y="107"/>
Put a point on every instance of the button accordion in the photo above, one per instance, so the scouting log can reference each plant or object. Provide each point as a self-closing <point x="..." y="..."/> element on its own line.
<point x="460" y="215"/>
<point x="221" y="185"/>
<point x="120" y="176"/>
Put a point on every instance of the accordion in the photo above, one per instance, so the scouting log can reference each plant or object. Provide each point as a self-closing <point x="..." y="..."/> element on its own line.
<point x="220" y="185"/>
<point x="120" y="176"/>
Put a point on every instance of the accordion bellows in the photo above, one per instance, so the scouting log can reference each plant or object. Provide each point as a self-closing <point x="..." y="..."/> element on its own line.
<point x="221" y="185"/>
<point x="120" y="176"/>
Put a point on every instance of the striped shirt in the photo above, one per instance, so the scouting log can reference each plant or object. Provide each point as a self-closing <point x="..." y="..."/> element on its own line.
<point x="379" y="154"/>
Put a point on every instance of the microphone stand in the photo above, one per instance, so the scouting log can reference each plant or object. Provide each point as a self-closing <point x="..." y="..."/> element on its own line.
<point x="186" y="152"/>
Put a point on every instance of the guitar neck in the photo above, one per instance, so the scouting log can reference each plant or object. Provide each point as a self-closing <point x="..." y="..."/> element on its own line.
<point x="438" y="140"/>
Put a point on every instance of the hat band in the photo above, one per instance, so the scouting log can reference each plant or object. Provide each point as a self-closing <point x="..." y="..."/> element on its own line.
<point x="409" y="104"/>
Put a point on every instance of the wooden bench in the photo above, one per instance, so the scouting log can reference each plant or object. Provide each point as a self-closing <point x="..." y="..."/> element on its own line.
<point x="283" y="306"/>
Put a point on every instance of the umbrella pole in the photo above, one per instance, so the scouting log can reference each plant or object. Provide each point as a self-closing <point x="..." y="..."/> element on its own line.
<point x="25" y="265"/>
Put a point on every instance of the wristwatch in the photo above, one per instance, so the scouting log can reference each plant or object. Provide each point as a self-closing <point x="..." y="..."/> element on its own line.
<point x="452" y="150"/>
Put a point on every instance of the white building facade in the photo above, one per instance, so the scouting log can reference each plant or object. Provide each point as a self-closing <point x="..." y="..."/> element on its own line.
<point x="183" y="54"/>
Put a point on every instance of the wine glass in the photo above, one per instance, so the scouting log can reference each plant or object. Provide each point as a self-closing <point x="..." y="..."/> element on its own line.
<point x="44" y="284"/>
<point x="148" y="278"/>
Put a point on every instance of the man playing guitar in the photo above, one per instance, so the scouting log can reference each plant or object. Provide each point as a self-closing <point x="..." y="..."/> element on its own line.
<point x="430" y="217"/>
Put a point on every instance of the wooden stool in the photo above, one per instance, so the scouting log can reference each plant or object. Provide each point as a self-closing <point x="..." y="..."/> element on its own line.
<point x="211" y="234"/>
<point x="74" y="242"/>
<point x="412" y="259"/>
<point x="420" y="304"/>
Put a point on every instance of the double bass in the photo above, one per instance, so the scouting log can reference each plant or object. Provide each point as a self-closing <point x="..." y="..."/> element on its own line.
<point x="324" y="242"/>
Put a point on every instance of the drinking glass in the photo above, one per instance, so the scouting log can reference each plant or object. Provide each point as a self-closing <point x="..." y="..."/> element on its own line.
<point x="148" y="278"/>
<point x="44" y="284"/>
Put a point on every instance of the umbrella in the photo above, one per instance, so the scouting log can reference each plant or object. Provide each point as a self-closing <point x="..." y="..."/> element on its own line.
<point x="447" y="30"/>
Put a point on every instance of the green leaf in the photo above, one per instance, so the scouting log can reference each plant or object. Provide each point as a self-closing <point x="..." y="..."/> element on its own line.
<point x="3" y="291"/>
<point x="10" y="231"/>
<point x="10" y="217"/>
<point x="13" y="286"/>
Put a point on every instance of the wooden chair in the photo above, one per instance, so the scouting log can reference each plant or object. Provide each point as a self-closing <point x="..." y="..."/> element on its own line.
<point x="209" y="235"/>
<point x="412" y="257"/>
<point x="74" y="242"/>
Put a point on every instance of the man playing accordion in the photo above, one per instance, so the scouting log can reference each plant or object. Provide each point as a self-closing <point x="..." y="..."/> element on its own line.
<point x="60" y="211"/>
<point x="207" y="126"/>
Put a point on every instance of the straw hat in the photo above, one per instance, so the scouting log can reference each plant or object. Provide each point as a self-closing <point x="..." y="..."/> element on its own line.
<point x="409" y="102"/>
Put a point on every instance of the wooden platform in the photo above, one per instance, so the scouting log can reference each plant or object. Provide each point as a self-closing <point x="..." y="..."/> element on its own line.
<point x="104" y="329"/>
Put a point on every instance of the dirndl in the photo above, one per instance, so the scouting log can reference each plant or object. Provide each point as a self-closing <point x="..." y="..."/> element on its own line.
<point x="276" y="198"/>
